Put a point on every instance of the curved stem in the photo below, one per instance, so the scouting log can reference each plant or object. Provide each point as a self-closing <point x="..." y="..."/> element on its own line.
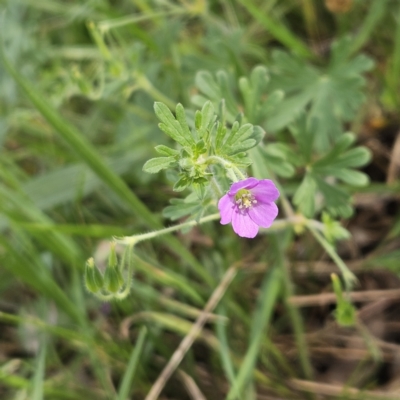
<point x="134" y="239"/>
<point x="349" y="278"/>
<point x="232" y="171"/>
<point x="215" y="187"/>
<point x="277" y="225"/>
<point x="231" y="175"/>
<point x="239" y="173"/>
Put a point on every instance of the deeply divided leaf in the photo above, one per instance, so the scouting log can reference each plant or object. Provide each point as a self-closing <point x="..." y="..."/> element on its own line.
<point x="155" y="165"/>
<point x="177" y="130"/>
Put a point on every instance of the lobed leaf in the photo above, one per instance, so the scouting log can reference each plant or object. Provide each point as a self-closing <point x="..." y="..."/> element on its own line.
<point x="166" y="151"/>
<point x="331" y="95"/>
<point x="175" y="129"/>
<point x="304" y="197"/>
<point x="155" y="165"/>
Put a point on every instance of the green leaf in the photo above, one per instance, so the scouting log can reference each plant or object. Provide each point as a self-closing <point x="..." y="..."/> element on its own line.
<point x="207" y="118"/>
<point x="333" y="195"/>
<point x="181" y="118"/>
<point x="181" y="184"/>
<point x="303" y="136"/>
<point x="239" y="135"/>
<point x="216" y="88"/>
<point x="258" y="133"/>
<point x="155" y="165"/>
<point x="208" y="85"/>
<point x="344" y="142"/>
<point x="336" y="164"/>
<point x="331" y="95"/>
<point x="337" y="158"/>
<point x="191" y="205"/>
<point x="227" y="88"/>
<point x="240" y="138"/>
<point x="276" y="156"/>
<point x="241" y="147"/>
<point x="289" y="110"/>
<point x="177" y="130"/>
<point x="166" y="151"/>
<point x="357" y="157"/>
<point x="333" y="231"/>
<point x="304" y="197"/>
<point x="252" y="89"/>
<point x="353" y="178"/>
<point x="258" y="106"/>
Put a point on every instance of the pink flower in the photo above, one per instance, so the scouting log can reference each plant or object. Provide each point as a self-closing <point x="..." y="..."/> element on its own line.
<point x="249" y="204"/>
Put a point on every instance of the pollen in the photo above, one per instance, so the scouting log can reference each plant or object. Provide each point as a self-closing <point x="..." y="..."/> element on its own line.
<point x="244" y="199"/>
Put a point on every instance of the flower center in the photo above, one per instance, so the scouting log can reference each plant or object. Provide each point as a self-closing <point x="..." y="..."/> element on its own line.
<point x="244" y="199"/>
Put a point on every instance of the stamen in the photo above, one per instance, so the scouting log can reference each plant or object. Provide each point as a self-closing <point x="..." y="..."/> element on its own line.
<point x="244" y="200"/>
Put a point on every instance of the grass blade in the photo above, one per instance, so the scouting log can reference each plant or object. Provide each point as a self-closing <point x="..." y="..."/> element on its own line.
<point x="375" y="14"/>
<point x="90" y="156"/>
<point x="277" y="30"/>
<point x="38" y="378"/>
<point x="127" y="379"/>
<point x="268" y="296"/>
<point x="224" y="351"/>
<point x="81" y="146"/>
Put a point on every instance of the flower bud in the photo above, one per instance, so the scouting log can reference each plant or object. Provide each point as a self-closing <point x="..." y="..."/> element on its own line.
<point x="186" y="163"/>
<point x="345" y="312"/>
<point x="93" y="277"/>
<point x="113" y="279"/>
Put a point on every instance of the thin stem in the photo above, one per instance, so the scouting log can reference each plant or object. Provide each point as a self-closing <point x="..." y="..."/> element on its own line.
<point x="238" y="172"/>
<point x="232" y="171"/>
<point x="349" y="278"/>
<point x="281" y="224"/>
<point x="134" y="239"/>
<point x="276" y="226"/>
<point x="231" y="175"/>
<point x="215" y="187"/>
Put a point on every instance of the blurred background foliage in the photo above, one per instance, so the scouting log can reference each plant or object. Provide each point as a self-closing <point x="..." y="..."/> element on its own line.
<point x="78" y="81"/>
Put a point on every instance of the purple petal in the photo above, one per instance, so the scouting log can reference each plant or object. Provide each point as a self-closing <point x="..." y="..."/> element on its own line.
<point x="245" y="184"/>
<point x="265" y="191"/>
<point x="263" y="214"/>
<point x="226" y="208"/>
<point x="243" y="225"/>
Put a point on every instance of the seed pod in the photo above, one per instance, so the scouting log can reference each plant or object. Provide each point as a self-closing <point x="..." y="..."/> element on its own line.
<point x="113" y="280"/>
<point x="93" y="278"/>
